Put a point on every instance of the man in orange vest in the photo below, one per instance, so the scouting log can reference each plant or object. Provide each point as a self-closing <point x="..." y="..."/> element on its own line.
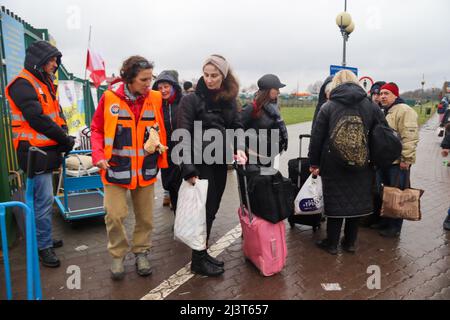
<point x="37" y="120"/>
<point x="129" y="145"/>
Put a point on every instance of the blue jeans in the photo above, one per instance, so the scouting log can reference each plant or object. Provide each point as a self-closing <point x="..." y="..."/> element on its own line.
<point x="43" y="208"/>
<point x="393" y="177"/>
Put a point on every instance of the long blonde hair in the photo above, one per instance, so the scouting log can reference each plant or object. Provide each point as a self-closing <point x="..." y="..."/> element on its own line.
<point x="342" y="77"/>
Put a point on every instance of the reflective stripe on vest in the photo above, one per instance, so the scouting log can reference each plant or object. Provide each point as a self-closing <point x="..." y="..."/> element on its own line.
<point x="124" y="113"/>
<point x="148" y="115"/>
<point x="120" y="175"/>
<point x="124" y="152"/>
<point x="127" y="143"/>
<point x="149" y="172"/>
<point x="21" y="129"/>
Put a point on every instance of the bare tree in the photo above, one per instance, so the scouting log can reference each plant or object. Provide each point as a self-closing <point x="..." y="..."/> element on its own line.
<point x="250" y="89"/>
<point x="314" y="88"/>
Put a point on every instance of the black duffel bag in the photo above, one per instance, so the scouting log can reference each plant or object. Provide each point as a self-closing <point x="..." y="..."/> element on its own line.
<point x="271" y="195"/>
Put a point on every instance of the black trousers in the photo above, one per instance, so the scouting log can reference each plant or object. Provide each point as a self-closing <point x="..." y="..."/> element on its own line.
<point x="216" y="174"/>
<point x="334" y="226"/>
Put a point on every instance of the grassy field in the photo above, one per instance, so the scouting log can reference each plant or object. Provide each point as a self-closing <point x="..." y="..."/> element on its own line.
<point x="292" y="115"/>
<point x="422" y="111"/>
<point x="296" y="115"/>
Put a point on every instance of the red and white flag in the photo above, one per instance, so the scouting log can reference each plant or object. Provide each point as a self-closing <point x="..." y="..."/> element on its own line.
<point x="96" y="65"/>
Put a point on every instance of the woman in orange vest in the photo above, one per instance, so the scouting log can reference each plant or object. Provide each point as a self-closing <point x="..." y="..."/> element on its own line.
<point x="128" y="117"/>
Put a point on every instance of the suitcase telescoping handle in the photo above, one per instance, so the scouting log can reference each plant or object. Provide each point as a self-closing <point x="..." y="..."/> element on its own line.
<point x="300" y="138"/>
<point x="247" y="198"/>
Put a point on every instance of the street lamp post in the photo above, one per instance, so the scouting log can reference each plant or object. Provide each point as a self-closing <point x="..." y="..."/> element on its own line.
<point x="346" y="26"/>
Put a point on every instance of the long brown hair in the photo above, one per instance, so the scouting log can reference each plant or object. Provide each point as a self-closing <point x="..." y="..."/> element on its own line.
<point x="262" y="98"/>
<point x="229" y="89"/>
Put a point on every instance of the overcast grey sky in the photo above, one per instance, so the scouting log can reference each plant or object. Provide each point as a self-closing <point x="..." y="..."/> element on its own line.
<point x="394" y="40"/>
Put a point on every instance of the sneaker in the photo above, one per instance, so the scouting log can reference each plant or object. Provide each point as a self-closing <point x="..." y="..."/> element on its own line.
<point x="447" y="223"/>
<point x="57" y="243"/>
<point x="117" y="269"/>
<point x="389" y="233"/>
<point x="143" y="267"/>
<point x="325" y="245"/>
<point x="49" y="258"/>
<point x="166" y="201"/>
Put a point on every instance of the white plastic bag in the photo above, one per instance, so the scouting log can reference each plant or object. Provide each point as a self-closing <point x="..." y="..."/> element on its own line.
<point x="190" y="218"/>
<point x="309" y="200"/>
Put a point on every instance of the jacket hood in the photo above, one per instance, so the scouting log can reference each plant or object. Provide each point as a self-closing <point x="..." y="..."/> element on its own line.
<point x="38" y="53"/>
<point x="171" y="77"/>
<point x="322" y="96"/>
<point x="348" y="94"/>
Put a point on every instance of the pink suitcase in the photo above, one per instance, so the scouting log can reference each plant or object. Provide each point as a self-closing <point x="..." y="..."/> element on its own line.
<point x="264" y="243"/>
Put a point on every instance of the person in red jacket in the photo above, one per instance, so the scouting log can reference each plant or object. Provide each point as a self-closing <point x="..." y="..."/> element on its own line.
<point x="123" y="122"/>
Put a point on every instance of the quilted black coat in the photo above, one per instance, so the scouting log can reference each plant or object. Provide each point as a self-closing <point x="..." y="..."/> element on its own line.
<point x="346" y="193"/>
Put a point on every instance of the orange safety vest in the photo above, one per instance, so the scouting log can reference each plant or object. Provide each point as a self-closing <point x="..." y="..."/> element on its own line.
<point x="21" y="129"/>
<point x="130" y="165"/>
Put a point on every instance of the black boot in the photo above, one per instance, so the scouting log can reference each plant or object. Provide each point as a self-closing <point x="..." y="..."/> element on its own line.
<point x="49" y="258"/>
<point x="214" y="260"/>
<point x="326" y="245"/>
<point x="348" y="246"/>
<point x="201" y="265"/>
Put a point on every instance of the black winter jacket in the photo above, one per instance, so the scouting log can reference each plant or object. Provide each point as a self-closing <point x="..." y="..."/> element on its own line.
<point x="220" y="115"/>
<point x="25" y="98"/>
<point x="322" y="98"/>
<point x="269" y="119"/>
<point x="445" y="144"/>
<point x="346" y="193"/>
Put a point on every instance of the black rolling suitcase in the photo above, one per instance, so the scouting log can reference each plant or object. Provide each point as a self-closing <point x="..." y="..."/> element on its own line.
<point x="298" y="174"/>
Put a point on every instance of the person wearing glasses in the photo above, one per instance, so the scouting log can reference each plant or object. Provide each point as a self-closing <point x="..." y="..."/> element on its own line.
<point x="128" y="117"/>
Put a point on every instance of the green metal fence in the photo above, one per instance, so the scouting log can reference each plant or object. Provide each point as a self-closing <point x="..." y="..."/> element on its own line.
<point x="11" y="177"/>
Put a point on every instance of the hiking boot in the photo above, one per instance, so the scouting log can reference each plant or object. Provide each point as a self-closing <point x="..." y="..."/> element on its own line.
<point x="447" y="223"/>
<point x="143" y="265"/>
<point x="350" y="248"/>
<point x="201" y="265"/>
<point x="57" y="243"/>
<point x="214" y="260"/>
<point x="49" y="258"/>
<point x="166" y="201"/>
<point x="117" y="269"/>
<point x="389" y="233"/>
<point x="326" y="245"/>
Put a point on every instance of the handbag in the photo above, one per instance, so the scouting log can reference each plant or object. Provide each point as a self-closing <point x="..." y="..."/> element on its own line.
<point x="402" y="204"/>
<point x="271" y="195"/>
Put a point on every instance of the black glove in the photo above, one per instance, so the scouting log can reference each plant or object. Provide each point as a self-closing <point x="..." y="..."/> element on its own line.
<point x="68" y="146"/>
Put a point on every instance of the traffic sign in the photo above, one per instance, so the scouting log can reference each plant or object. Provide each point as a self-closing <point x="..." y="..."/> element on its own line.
<point x="366" y="83"/>
<point x="335" y="69"/>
